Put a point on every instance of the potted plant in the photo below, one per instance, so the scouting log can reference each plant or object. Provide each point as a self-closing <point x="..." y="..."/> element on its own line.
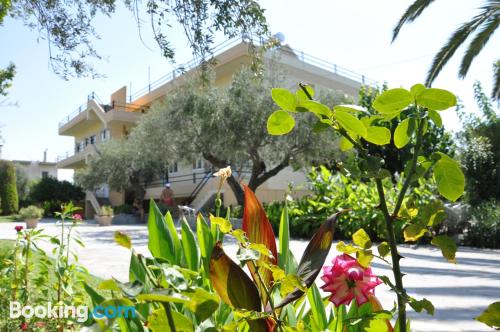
<point x="31" y="215"/>
<point x="105" y="216"/>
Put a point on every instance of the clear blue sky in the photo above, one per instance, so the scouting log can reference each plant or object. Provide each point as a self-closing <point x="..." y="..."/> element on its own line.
<point x="355" y="34"/>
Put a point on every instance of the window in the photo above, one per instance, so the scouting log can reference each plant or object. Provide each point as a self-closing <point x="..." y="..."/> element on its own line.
<point x="87" y="141"/>
<point x="173" y="168"/>
<point x="92" y="139"/>
<point x="105" y="135"/>
<point x="45" y="174"/>
<point x="199" y="164"/>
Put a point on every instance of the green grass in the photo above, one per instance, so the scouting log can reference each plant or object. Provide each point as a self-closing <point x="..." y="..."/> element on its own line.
<point x="9" y="218"/>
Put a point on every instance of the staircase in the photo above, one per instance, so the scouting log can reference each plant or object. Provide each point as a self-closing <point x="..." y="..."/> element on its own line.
<point x="92" y="199"/>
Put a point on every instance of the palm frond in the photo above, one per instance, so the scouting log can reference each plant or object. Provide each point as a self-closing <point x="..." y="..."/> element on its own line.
<point x="453" y="43"/>
<point x="495" y="94"/>
<point x="478" y="43"/>
<point x="414" y="11"/>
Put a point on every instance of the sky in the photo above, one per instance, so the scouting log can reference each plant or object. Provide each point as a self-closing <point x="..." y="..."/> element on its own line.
<point x="355" y="34"/>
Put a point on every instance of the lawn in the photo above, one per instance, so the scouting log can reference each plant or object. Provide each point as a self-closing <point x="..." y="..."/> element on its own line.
<point x="10" y="218"/>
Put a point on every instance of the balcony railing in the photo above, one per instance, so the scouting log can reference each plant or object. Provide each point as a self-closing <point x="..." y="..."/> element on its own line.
<point x="66" y="155"/>
<point x="80" y="109"/>
<point x="302" y="56"/>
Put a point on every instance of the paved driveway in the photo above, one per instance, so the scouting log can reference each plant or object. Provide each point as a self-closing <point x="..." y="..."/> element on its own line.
<point x="458" y="291"/>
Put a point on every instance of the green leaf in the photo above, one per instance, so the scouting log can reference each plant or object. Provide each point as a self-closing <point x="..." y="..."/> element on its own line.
<point x="364" y="257"/>
<point x="346" y="248"/>
<point x="289" y="283"/>
<point x="424" y="304"/>
<point x="284" y="239"/>
<point x="245" y="255"/>
<point x="415" y="231"/>
<point x="163" y="239"/>
<point x="436" y="118"/>
<point x="94" y="295"/>
<point x="383" y="249"/>
<point x="189" y="246"/>
<point x="491" y="316"/>
<point x="158" y="322"/>
<point x="392" y="101"/>
<point x="205" y="241"/>
<point x="378" y="135"/>
<point x="345" y="144"/>
<point x="314" y="257"/>
<point x="403" y="132"/>
<point x="449" y="178"/>
<point x="284" y="99"/>
<point x="317" y="308"/>
<point x="447" y="245"/>
<point x="123" y="239"/>
<point x="417" y="89"/>
<point x="231" y="283"/>
<point x="317" y="108"/>
<point x="362" y="239"/>
<point x="202" y="303"/>
<point x="350" y="108"/>
<point x="109" y="284"/>
<point x="320" y="126"/>
<point x="350" y="123"/>
<point x="436" y="99"/>
<point x="224" y="224"/>
<point x="280" y="123"/>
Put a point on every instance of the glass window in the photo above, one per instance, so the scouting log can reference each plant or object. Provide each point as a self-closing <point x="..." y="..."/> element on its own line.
<point x="173" y="168"/>
<point x="92" y="139"/>
<point x="105" y="135"/>
<point x="45" y="174"/>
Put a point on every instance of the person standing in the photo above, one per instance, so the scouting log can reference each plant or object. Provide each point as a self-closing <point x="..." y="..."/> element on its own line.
<point x="167" y="195"/>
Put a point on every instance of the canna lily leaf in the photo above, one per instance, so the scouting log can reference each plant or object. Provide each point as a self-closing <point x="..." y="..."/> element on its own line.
<point x="314" y="257"/>
<point x="235" y="287"/>
<point x="232" y="284"/>
<point x="259" y="231"/>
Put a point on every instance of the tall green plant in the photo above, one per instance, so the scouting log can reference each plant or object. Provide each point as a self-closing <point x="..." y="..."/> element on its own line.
<point x="9" y="201"/>
<point x="413" y="109"/>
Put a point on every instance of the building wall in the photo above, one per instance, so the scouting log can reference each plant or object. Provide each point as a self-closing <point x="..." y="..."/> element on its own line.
<point x="35" y="169"/>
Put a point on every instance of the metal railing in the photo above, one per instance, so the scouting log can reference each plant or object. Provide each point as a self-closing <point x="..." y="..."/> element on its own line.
<point x="83" y="107"/>
<point x="220" y="48"/>
<point x="300" y="55"/>
<point x="66" y="155"/>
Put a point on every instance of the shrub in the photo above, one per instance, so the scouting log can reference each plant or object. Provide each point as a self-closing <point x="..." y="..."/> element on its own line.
<point x="8" y="190"/>
<point x="107" y="211"/>
<point x="484" y="230"/>
<point x="51" y="193"/>
<point x="31" y="212"/>
<point x="124" y="208"/>
<point x="335" y="192"/>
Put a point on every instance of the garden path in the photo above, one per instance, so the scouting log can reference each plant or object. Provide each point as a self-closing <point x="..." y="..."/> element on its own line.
<point x="459" y="291"/>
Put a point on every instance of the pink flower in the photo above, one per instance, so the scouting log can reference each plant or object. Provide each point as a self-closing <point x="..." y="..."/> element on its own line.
<point x="346" y="280"/>
<point x="77" y="216"/>
<point x="24" y="326"/>
<point x="18" y="228"/>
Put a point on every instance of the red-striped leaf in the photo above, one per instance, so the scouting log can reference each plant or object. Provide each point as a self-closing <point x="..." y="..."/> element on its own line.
<point x="232" y="284"/>
<point x="314" y="257"/>
<point x="235" y="287"/>
<point x="259" y="230"/>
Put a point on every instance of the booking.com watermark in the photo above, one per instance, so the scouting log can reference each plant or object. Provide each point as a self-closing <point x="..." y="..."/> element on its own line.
<point x="79" y="313"/>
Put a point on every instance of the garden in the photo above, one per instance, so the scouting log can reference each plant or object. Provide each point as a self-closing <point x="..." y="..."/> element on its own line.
<point x="386" y="187"/>
<point x="188" y="282"/>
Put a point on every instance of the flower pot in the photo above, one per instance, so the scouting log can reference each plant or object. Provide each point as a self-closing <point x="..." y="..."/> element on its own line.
<point x="31" y="223"/>
<point x="104" y="220"/>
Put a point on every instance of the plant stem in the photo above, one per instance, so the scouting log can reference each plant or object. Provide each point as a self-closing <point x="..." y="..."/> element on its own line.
<point x="26" y="272"/>
<point x="268" y="293"/>
<point x="396" y="268"/>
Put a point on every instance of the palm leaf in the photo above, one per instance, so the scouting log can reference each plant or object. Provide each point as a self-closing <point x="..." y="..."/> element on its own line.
<point x="414" y="11"/>
<point x="478" y="43"/>
<point x="449" y="49"/>
<point x="495" y="94"/>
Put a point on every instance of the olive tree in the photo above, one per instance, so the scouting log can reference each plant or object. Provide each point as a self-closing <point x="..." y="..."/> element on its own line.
<point x="227" y="126"/>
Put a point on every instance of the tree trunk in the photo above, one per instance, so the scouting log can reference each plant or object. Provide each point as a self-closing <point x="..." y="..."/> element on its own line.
<point x="237" y="190"/>
<point x="139" y="193"/>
